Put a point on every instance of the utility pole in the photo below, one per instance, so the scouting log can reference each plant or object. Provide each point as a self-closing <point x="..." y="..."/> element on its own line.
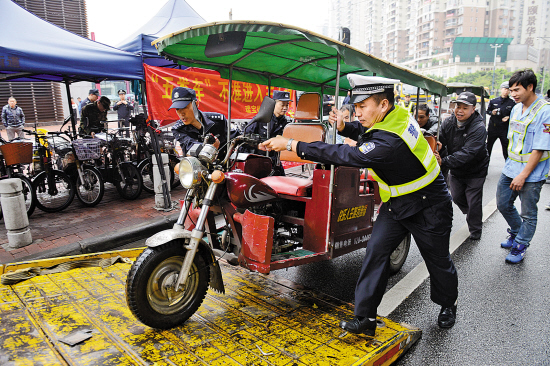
<point x="496" y="47"/>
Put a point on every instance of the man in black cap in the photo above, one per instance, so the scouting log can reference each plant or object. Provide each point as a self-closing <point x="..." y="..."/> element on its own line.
<point x="499" y="109"/>
<point x="93" y="95"/>
<point x="124" y="109"/>
<point x="275" y="127"/>
<point x="414" y="194"/>
<point x="93" y="116"/>
<point x="192" y="129"/>
<point x="462" y="137"/>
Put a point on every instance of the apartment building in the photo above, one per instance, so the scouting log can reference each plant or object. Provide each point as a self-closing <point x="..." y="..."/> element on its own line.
<point x="418" y="32"/>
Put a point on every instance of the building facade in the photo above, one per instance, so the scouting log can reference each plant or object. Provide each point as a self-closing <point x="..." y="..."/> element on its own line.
<point x="42" y="102"/>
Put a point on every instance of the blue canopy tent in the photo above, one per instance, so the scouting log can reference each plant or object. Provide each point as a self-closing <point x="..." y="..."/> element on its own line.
<point x="32" y="49"/>
<point x="174" y="16"/>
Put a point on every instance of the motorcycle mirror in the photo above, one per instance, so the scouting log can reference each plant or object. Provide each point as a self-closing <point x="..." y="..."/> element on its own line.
<point x="266" y="111"/>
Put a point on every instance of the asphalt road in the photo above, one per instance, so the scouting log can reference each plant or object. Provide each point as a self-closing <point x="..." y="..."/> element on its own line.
<point x="503" y="312"/>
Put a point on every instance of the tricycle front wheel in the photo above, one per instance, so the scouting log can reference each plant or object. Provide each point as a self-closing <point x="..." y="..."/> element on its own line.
<point x="149" y="288"/>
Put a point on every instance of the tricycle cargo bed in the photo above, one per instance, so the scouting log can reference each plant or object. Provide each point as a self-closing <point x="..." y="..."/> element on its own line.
<point x="80" y="317"/>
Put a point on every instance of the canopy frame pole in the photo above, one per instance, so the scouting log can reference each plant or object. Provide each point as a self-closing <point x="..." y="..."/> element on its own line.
<point x="229" y="91"/>
<point x="417" y="102"/>
<point x="156" y="151"/>
<point x="268" y="135"/>
<point x="332" y="168"/>
<point x="71" y="112"/>
<point x="439" y="117"/>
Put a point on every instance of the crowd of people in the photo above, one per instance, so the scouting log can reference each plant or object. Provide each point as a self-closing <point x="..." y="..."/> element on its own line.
<point x="416" y="184"/>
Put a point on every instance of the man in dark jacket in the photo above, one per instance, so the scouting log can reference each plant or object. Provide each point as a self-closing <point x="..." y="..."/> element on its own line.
<point x="275" y="127"/>
<point x="192" y="129"/>
<point x="499" y="109"/>
<point x="425" y="121"/>
<point x="93" y="116"/>
<point x="462" y="136"/>
<point x="13" y="119"/>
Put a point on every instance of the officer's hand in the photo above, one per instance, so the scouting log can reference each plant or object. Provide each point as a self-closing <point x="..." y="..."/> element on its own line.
<point x="439" y="146"/>
<point x="505" y="119"/>
<point x="494" y="112"/>
<point x="336" y="116"/>
<point x="119" y="102"/>
<point x="216" y="143"/>
<point x="92" y="134"/>
<point x="276" y="144"/>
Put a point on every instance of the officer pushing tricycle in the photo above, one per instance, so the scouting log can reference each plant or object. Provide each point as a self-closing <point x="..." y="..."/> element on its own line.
<point x="235" y="209"/>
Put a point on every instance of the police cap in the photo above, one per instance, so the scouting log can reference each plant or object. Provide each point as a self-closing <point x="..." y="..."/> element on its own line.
<point x="181" y="97"/>
<point x="122" y="91"/>
<point x="505" y="85"/>
<point x="283" y="96"/>
<point x="94" y="92"/>
<point x="365" y="86"/>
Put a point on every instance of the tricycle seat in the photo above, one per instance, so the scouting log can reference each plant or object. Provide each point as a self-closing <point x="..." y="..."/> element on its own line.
<point x="291" y="186"/>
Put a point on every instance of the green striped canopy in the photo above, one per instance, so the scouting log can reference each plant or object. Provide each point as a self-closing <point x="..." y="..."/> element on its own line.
<point x="284" y="56"/>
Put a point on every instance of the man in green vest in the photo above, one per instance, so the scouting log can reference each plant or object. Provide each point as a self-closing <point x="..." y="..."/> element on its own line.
<point x="413" y="191"/>
<point x="407" y="104"/>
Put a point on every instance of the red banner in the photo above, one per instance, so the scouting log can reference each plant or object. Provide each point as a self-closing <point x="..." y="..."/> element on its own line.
<point x="211" y="90"/>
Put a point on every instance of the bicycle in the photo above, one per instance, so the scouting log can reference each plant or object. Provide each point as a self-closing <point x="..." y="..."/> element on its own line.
<point x="54" y="188"/>
<point x="116" y="169"/>
<point x="77" y="161"/>
<point x="12" y="158"/>
<point x="144" y="153"/>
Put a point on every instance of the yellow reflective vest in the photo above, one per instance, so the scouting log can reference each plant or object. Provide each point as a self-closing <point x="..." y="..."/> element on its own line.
<point x="399" y="123"/>
<point x="408" y="108"/>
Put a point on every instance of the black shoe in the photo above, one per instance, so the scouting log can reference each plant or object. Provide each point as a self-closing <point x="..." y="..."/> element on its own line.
<point x="475" y="236"/>
<point x="365" y="326"/>
<point x="447" y="317"/>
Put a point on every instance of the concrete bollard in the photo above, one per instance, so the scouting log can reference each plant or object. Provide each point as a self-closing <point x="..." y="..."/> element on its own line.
<point x="15" y="213"/>
<point x="157" y="182"/>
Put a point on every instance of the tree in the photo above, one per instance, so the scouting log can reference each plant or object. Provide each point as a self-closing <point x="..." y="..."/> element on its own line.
<point x="438" y="78"/>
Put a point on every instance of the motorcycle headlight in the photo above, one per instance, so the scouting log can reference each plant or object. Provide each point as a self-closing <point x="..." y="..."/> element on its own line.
<point x="190" y="172"/>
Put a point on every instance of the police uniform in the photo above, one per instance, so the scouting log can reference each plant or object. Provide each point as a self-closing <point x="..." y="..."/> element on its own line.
<point x="414" y="194"/>
<point x="124" y="111"/>
<point x="87" y="101"/>
<point x="498" y="129"/>
<point x="275" y="127"/>
<point x="211" y="123"/>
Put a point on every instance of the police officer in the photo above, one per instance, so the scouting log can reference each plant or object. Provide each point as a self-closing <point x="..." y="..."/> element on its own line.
<point x="191" y="129"/>
<point x="407" y="104"/>
<point x="124" y="109"/>
<point x="499" y="109"/>
<point x="414" y="194"/>
<point x="93" y="116"/>
<point x="93" y="95"/>
<point x="275" y="127"/>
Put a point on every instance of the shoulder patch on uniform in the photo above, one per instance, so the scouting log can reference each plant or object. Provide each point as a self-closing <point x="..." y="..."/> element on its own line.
<point x="546" y="128"/>
<point x="366" y="148"/>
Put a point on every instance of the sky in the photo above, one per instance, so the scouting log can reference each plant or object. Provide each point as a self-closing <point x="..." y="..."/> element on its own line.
<point x="113" y="21"/>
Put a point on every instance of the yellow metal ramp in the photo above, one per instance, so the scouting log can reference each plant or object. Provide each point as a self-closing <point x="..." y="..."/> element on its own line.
<point x="261" y="320"/>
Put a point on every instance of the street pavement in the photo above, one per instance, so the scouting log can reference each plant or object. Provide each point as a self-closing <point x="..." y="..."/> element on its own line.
<point x="503" y="312"/>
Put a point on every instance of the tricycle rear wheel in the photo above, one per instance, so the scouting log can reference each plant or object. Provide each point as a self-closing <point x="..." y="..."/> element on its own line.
<point x="399" y="255"/>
